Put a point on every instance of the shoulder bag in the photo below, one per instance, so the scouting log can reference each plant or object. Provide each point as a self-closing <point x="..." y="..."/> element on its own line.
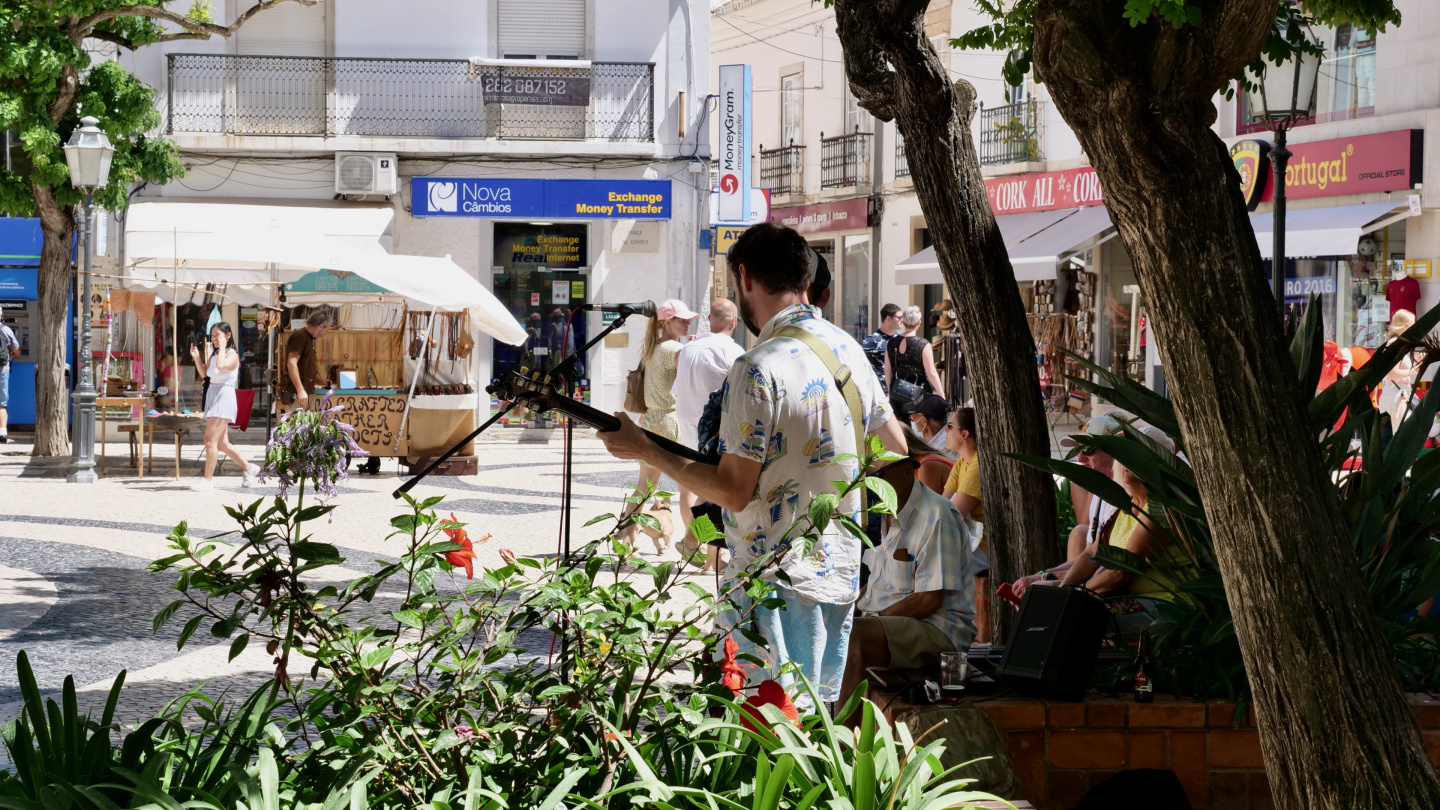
<point x="635" y="390"/>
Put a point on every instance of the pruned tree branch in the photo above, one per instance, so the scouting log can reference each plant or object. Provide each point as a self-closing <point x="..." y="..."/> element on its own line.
<point x="68" y="86"/>
<point x="191" y="29"/>
<point x="866" y="68"/>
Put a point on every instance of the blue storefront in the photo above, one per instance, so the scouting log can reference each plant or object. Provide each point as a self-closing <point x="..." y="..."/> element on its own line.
<point x="20" y="241"/>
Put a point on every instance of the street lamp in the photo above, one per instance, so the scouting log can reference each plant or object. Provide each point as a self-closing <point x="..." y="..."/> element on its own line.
<point x="88" y="153"/>
<point x="1287" y="95"/>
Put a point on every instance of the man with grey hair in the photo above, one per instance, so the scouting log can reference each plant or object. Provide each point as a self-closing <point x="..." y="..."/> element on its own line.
<point x="700" y="370"/>
<point x="300" y="374"/>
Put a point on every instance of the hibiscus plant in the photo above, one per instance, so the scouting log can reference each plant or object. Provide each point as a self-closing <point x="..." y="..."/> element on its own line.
<point x="437" y="682"/>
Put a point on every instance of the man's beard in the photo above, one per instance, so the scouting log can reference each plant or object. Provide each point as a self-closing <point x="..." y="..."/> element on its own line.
<point x="748" y="315"/>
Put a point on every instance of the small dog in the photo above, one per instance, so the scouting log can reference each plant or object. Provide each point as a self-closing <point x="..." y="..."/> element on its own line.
<point x="660" y="510"/>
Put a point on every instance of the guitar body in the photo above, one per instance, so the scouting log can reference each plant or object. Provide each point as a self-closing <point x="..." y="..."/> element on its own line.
<point x="542" y="396"/>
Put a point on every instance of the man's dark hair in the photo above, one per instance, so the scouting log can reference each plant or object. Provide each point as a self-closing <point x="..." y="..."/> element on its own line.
<point x="775" y="256"/>
<point x="820" y="280"/>
<point x="890" y="311"/>
<point x="318" y="316"/>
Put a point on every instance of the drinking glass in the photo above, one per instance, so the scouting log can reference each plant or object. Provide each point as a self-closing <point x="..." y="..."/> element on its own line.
<point x="952" y="674"/>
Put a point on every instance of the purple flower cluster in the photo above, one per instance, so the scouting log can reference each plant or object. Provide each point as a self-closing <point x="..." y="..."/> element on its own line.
<point x="312" y="446"/>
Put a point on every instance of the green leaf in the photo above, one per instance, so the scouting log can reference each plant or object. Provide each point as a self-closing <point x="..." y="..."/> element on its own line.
<point x="238" y="645"/>
<point x="599" y="518"/>
<point x="165" y="613"/>
<point x="821" y="508"/>
<point x="704" y="530"/>
<point x="1094" y="482"/>
<point x="370" y="659"/>
<point x="322" y="553"/>
<point x="409" y="618"/>
<point x="188" y="631"/>
<point x="882" y="490"/>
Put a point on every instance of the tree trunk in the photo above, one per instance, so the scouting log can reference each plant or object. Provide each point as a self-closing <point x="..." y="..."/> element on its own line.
<point x="52" y="328"/>
<point x="934" y="117"/>
<point x="1335" y="728"/>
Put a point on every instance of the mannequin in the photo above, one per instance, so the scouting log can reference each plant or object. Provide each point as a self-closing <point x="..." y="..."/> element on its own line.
<point x="1403" y="292"/>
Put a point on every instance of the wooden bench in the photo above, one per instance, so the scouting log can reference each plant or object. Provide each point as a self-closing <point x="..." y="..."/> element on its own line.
<point x="136" y="455"/>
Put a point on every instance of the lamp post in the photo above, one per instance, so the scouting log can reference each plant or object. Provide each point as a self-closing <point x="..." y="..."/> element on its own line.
<point x="1292" y="84"/>
<point x="88" y="154"/>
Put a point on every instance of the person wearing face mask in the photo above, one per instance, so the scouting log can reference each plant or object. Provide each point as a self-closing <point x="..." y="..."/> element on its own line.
<point x="930" y="418"/>
<point x="223" y="370"/>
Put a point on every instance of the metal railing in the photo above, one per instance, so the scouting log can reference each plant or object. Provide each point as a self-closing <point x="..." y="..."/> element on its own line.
<point x="845" y="161"/>
<point x="426" y="98"/>
<point x="1011" y="134"/>
<point x="783" y="170"/>
<point x="902" y="163"/>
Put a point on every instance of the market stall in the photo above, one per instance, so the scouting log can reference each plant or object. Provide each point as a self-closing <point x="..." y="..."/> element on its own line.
<point x="405" y="326"/>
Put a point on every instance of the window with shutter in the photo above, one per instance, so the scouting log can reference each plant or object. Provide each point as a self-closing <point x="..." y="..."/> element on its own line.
<point x="541" y="29"/>
<point x="792" y="108"/>
<point x="288" y="29"/>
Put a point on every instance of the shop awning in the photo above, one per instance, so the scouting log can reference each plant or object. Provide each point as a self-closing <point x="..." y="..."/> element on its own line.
<point x="1015" y="229"/>
<point x="1035" y="258"/>
<point x="1330" y="231"/>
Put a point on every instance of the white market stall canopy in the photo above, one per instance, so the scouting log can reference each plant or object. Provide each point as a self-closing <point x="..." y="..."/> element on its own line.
<point x="1332" y="231"/>
<point x="252" y="248"/>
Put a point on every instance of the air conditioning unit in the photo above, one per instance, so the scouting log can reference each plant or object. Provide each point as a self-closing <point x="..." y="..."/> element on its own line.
<point x="361" y="173"/>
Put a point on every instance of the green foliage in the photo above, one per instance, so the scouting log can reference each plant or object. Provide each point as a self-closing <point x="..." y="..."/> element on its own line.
<point x="1012" y="28"/>
<point x="1389" y="492"/>
<point x="38" y="53"/>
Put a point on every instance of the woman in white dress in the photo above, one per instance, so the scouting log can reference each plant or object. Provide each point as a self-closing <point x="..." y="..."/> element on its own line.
<point x="223" y="371"/>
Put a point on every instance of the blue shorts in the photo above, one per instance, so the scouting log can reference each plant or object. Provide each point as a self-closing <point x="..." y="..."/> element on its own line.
<point x="5" y="384"/>
<point x="815" y="636"/>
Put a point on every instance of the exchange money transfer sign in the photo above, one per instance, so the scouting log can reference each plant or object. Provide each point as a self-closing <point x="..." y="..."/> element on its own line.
<point x="550" y="199"/>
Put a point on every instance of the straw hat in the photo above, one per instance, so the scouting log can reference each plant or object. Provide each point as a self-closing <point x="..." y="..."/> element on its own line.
<point x="947" y="314"/>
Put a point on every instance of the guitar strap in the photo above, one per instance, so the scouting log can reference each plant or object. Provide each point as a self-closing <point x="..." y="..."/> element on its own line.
<point x="839" y="371"/>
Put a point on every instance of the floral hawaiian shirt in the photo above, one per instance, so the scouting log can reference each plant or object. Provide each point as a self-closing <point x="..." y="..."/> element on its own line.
<point x="780" y="408"/>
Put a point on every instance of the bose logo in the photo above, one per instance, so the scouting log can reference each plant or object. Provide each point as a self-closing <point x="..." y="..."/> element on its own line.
<point x="1036" y="629"/>
<point x="443" y="197"/>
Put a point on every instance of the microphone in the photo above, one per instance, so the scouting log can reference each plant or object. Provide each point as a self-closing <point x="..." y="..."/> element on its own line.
<point x="645" y="308"/>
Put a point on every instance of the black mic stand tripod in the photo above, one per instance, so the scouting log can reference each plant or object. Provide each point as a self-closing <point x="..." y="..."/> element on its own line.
<point x="561" y="371"/>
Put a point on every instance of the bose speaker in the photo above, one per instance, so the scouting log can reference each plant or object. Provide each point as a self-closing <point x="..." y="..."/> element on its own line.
<point x="1054" y="642"/>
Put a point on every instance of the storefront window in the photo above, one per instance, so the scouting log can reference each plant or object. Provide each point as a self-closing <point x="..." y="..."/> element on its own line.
<point x="1122" y="335"/>
<point x="855" y="287"/>
<point x="1364" y="309"/>
<point x="826" y="248"/>
<point x="540" y="277"/>
<point x="1350" y="72"/>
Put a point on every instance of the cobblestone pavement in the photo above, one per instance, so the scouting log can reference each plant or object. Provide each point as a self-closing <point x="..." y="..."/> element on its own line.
<point x="75" y="594"/>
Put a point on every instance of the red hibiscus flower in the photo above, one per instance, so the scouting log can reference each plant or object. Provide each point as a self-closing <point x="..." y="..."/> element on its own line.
<point x="732" y="677"/>
<point x="463" y="557"/>
<point x="508" y="556"/>
<point x="771" y="694"/>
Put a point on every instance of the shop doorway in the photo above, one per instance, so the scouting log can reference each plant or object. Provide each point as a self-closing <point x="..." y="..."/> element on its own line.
<point x="541" y="274"/>
<point x="826" y="249"/>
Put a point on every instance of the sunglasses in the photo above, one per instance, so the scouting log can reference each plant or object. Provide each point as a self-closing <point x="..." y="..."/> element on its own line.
<point x="1086" y="452"/>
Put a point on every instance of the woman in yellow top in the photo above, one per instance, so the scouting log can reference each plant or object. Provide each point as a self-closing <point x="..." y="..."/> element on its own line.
<point x="658" y="356"/>
<point x="963" y="490"/>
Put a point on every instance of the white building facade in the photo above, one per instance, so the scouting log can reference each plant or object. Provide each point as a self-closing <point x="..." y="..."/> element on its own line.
<point x="1353" y="227"/>
<point x="529" y="128"/>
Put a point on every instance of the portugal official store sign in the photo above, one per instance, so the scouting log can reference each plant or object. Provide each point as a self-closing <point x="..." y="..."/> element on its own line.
<point x="550" y="199"/>
<point x="1387" y="161"/>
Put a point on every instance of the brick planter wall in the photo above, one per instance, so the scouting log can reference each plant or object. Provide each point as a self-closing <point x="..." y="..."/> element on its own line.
<point x="1061" y="750"/>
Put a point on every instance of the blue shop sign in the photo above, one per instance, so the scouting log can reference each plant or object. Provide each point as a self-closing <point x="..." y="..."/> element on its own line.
<point x="550" y="199"/>
<point x="20" y="242"/>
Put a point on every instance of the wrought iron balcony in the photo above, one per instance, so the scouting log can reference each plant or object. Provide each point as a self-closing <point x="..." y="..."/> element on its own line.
<point x="845" y="161"/>
<point x="783" y="170"/>
<point x="1011" y="134"/>
<point x="902" y="163"/>
<point x="418" y="98"/>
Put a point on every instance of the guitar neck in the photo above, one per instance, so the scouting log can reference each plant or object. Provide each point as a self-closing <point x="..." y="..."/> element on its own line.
<point x="607" y="423"/>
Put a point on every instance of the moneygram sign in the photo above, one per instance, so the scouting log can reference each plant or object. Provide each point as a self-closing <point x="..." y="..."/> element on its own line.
<point x="734" y="159"/>
<point x="550" y="199"/>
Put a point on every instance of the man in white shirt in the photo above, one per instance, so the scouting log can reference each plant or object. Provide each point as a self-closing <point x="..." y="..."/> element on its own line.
<point x="700" y="371"/>
<point x="785" y="429"/>
<point x="920" y="600"/>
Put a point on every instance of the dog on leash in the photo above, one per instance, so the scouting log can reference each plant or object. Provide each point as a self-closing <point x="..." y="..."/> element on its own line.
<point x="660" y="510"/>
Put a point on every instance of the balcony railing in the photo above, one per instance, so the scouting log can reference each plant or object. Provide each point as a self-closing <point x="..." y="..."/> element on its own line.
<point x="845" y="161"/>
<point x="424" y="98"/>
<point x="902" y="163"/>
<point x="783" y="170"/>
<point x="1011" y="134"/>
